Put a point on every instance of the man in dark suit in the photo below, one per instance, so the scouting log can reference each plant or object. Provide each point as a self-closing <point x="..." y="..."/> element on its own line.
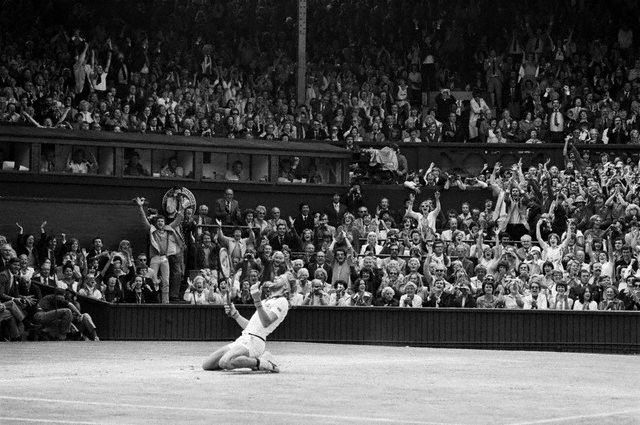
<point x="320" y="262"/>
<point x="317" y="132"/>
<point x="227" y="209"/>
<point x="282" y="238"/>
<point x="462" y="297"/>
<point x="336" y="211"/>
<point x="512" y="97"/>
<point x="11" y="303"/>
<point x="202" y="218"/>
<point x="98" y="251"/>
<point x="6" y="253"/>
<point x="452" y="131"/>
<point x="47" y="246"/>
<point x="304" y="220"/>
<point x="44" y="277"/>
<point x="207" y="254"/>
<point x="9" y="281"/>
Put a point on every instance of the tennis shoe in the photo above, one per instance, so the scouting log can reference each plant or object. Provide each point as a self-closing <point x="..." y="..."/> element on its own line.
<point x="267" y="363"/>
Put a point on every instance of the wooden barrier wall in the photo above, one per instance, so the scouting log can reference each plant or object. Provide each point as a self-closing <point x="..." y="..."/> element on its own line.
<point x="609" y="332"/>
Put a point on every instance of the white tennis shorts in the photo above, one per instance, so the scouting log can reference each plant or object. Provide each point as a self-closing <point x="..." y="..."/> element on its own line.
<point x="253" y="344"/>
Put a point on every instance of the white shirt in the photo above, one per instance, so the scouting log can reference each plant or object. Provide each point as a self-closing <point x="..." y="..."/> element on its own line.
<point x="541" y="302"/>
<point x="279" y="306"/>
<point x="296" y="299"/>
<point x="593" y="306"/>
<point x="415" y="303"/>
<point x="429" y="219"/>
<point x="556" y="117"/>
<point x="195" y="297"/>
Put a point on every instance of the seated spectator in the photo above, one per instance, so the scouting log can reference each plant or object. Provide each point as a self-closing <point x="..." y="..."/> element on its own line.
<point x="341" y="296"/>
<point x="387" y="298"/>
<point x="90" y="289"/>
<point x="318" y="295"/>
<point x="78" y="164"/>
<point x="488" y="299"/>
<point x="113" y="293"/>
<point x="610" y="302"/>
<point x="236" y="172"/>
<point x="196" y="294"/>
<point x="134" y="167"/>
<point x="535" y="300"/>
<point x="172" y="169"/>
<point x="361" y="297"/>
<point x="68" y="281"/>
<point x="410" y="298"/>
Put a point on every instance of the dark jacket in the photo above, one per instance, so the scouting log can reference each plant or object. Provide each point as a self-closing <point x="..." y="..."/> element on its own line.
<point x="381" y="302"/>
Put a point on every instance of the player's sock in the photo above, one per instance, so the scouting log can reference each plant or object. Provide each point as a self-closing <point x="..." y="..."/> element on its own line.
<point x="266" y="362"/>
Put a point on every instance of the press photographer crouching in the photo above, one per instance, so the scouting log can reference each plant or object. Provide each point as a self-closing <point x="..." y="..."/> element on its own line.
<point x="61" y="318"/>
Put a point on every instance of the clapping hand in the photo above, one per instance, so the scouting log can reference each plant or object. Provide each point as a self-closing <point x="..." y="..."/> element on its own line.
<point x="20" y="228"/>
<point x="230" y="310"/>
<point x="30" y="300"/>
<point x="218" y="222"/>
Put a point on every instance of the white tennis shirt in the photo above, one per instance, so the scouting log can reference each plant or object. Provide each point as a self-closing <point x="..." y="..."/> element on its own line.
<point x="277" y="305"/>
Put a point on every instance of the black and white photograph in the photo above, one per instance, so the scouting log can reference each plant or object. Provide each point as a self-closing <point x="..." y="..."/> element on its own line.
<point x="320" y="212"/>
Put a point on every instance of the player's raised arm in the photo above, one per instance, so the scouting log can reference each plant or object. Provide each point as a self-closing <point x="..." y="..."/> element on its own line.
<point x="266" y="317"/>
<point x="231" y="311"/>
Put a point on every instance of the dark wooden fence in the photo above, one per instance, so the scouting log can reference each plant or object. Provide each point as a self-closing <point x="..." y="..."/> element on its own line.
<point x="609" y="332"/>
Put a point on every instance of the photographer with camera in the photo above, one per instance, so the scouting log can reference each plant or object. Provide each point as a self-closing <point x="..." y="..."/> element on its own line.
<point x="317" y="296"/>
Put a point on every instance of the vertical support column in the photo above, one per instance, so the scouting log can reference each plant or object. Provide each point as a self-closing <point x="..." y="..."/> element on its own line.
<point x="36" y="152"/>
<point x="274" y="160"/>
<point x="119" y="164"/>
<point x="197" y="165"/>
<point x="302" y="51"/>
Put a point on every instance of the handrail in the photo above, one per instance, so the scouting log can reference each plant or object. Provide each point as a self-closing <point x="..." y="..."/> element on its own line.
<point x="17" y="133"/>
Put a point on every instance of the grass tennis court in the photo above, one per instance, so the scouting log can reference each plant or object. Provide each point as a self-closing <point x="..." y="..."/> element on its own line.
<point x="162" y="382"/>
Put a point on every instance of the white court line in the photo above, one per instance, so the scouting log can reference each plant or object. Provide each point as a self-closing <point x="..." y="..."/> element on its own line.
<point x="577" y="417"/>
<point x="30" y="378"/>
<point x="45" y="421"/>
<point x="234" y="411"/>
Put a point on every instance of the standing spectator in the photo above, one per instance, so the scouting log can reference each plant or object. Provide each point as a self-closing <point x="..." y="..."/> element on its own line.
<point x="164" y="241"/>
<point x="335" y="211"/>
<point x="479" y="115"/>
<point x="236" y="246"/>
<point x="227" y="209"/>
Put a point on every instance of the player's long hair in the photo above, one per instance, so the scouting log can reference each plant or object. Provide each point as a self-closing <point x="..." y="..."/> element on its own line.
<point x="283" y="281"/>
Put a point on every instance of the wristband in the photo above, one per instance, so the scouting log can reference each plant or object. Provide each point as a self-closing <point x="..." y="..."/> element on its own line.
<point x="235" y="316"/>
<point x="258" y="304"/>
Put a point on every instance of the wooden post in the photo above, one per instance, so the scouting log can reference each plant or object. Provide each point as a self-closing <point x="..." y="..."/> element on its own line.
<point x="302" y="51"/>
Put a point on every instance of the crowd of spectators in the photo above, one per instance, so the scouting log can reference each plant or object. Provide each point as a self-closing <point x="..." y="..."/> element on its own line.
<point x="548" y="238"/>
<point x="541" y="72"/>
